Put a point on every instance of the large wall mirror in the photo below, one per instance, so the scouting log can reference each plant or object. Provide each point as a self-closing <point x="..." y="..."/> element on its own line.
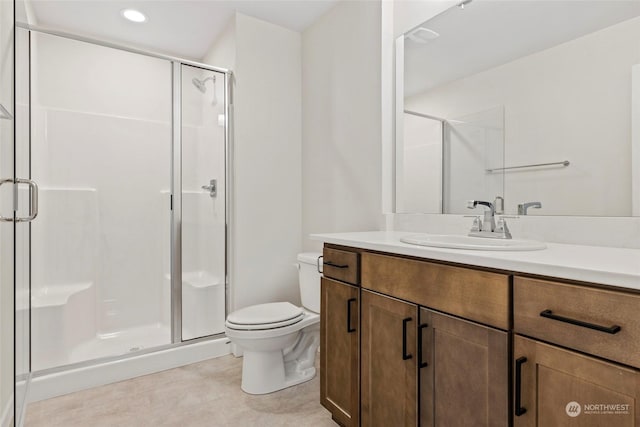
<point x="532" y="104"/>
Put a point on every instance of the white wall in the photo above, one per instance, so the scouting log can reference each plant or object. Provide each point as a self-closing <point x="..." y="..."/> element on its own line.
<point x="222" y="52"/>
<point x="341" y="150"/>
<point x="266" y="208"/>
<point x="337" y="159"/>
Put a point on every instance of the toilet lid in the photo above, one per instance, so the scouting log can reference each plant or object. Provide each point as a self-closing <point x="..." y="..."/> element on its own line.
<point x="275" y="314"/>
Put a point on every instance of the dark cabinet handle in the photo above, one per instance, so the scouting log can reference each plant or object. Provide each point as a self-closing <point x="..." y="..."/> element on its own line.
<point x="608" y="329"/>
<point x="421" y="364"/>
<point x="405" y="356"/>
<point x="332" y="264"/>
<point x="349" y="328"/>
<point x="519" y="409"/>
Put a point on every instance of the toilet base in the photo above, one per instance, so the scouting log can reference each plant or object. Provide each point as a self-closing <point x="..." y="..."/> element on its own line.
<point x="265" y="372"/>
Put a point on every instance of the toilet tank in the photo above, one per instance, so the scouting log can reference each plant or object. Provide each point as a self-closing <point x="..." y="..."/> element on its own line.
<point x="309" y="280"/>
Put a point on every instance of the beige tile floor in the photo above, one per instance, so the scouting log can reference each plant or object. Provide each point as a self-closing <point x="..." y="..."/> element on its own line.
<point x="203" y="394"/>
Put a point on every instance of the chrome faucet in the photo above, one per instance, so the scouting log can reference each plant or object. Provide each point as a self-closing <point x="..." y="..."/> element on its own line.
<point x="524" y="207"/>
<point x="488" y="227"/>
<point x="489" y="222"/>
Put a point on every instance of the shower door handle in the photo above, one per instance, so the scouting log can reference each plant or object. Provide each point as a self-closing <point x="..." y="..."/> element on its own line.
<point x="33" y="208"/>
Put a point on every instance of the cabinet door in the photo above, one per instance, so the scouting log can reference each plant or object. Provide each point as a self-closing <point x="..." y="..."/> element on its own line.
<point x="464" y="372"/>
<point x="339" y="373"/>
<point x="557" y="387"/>
<point x="389" y="376"/>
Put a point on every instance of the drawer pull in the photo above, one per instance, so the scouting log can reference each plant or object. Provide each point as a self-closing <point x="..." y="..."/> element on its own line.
<point x="421" y="328"/>
<point x="518" y="400"/>
<point x="349" y="328"/>
<point x="608" y="329"/>
<point x="331" y="264"/>
<point x="405" y="356"/>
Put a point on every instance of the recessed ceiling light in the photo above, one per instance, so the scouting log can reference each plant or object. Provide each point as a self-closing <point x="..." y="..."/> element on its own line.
<point x="133" y="15"/>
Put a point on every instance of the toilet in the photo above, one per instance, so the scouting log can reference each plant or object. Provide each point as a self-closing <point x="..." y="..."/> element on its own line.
<point x="279" y="340"/>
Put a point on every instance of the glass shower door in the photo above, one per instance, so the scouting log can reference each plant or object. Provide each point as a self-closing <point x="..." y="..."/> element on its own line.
<point x="203" y="202"/>
<point x="8" y="401"/>
<point x="101" y="129"/>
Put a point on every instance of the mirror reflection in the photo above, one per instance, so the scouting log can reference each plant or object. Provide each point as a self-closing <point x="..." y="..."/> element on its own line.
<point x="532" y="103"/>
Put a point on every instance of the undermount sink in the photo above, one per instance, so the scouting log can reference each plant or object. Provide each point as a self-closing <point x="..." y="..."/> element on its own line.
<point x="455" y="241"/>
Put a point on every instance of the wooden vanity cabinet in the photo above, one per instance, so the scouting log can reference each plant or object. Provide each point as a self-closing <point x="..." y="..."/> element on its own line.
<point x="339" y="351"/>
<point x="422" y="367"/>
<point x="388" y="361"/>
<point x="411" y="342"/>
<point x="340" y="336"/>
<point x="558" y="387"/>
<point x="464" y="376"/>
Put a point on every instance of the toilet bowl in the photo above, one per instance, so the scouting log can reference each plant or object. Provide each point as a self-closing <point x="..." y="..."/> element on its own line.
<point x="279" y="340"/>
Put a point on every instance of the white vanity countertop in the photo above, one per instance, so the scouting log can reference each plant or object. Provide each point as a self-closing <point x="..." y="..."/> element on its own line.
<point x="608" y="266"/>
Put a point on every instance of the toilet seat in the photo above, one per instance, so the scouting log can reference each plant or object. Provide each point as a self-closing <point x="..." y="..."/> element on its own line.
<point x="265" y="316"/>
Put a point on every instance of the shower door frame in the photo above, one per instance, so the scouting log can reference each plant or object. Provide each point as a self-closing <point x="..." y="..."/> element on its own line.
<point x="176" y="189"/>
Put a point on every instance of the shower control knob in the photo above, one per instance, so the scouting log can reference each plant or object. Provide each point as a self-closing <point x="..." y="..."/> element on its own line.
<point x="212" y="188"/>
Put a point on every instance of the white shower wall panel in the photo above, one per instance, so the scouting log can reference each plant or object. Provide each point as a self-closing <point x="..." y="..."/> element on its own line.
<point x="77" y="76"/>
<point x="204" y="217"/>
<point x="126" y="161"/>
<point x="101" y="120"/>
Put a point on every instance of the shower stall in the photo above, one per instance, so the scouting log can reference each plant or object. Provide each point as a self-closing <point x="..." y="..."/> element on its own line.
<point x="126" y="154"/>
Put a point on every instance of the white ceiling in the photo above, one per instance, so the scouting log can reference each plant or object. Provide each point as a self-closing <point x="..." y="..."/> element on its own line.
<point x="182" y="28"/>
<point x="487" y="33"/>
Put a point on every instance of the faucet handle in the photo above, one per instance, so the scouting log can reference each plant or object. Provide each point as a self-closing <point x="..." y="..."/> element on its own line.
<point x="502" y="228"/>
<point x="477" y="223"/>
<point x="498" y="204"/>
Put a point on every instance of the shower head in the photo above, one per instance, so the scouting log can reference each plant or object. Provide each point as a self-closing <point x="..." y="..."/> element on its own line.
<point x="199" y="84"/>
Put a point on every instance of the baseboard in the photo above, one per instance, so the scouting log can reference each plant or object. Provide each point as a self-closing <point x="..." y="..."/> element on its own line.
<point x="6" y="420"/>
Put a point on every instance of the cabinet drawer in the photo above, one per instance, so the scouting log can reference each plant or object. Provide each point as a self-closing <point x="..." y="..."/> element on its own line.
<point x="597" y="321"/>
<point x="476" y="295"/>
<point x="341" y="265"/>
